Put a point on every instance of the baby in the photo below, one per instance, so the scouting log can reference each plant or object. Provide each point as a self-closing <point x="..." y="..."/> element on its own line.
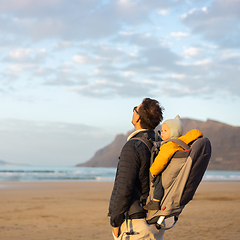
<point x="171" y="128"/>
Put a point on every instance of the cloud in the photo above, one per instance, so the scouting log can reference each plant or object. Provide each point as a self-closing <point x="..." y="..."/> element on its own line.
<point x="63" y="45"/>
<point x="109" y="89"/>
<point x="80" y="59"/>
<point x="57" y="18"/>
<point x="20" y="67"/>
<point x="45" y="127"/>
<point x="218" y="23"/>
<point x="179" y="34"/>
<point x="104" y="49"/>
<point x="126" y="75"/>
<point x="205" y="62"/>
<point x="26" y="55"/>
<point x="164" y="12"/>
<point x="161" y="57"/>
<point x="57" y="143"/>
<point x="137" y="39"/>
<point x="192" y="52"/>
<point x="64" y="76"/>
<point x="68" y="20"/>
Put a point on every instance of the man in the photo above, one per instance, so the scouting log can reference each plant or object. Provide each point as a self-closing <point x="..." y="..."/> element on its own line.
<point x="132" y="177"/>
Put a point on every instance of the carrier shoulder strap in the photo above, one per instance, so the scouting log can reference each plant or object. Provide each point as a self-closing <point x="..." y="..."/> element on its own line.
<point x="145" y="140"/>
<point x="179" y="142"/>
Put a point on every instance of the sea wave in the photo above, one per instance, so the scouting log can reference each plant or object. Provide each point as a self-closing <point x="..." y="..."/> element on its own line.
<point x="45" y="173"/>
<point x="222" y="176"/>
<point x="40" y="173"/>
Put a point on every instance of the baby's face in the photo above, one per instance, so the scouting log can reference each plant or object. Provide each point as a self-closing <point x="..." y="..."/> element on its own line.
<point x="165" y="133"/>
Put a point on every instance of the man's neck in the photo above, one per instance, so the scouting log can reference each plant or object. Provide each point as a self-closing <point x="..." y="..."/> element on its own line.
<point x="137" y="126"/>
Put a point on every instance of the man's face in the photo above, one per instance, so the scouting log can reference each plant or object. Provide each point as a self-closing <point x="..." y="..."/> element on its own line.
<point x="135" y="116"/>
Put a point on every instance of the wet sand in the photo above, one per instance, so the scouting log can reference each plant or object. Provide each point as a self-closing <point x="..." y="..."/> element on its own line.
<point x="78" y="210"/>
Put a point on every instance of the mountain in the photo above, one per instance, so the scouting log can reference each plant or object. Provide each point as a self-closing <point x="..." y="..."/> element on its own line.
<point x="4" y="163"/>
<point x="107" y="156"/>
<point x="225" y="140"/>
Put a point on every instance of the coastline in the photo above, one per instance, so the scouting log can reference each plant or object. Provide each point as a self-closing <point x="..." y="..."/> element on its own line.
<point x="78" y="210"/>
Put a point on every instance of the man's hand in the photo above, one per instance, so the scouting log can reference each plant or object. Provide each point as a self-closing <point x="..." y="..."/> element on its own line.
<point x="116" y="231"/>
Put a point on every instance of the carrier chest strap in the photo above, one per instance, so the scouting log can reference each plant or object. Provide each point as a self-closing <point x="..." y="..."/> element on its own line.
<point x="179" y="142"/>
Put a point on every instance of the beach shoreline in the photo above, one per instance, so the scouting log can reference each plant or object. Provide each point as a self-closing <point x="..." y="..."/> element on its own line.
<point x="78" y="210"/>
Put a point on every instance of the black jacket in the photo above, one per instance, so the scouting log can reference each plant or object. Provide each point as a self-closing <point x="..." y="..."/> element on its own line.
<point x="132" y="174"/>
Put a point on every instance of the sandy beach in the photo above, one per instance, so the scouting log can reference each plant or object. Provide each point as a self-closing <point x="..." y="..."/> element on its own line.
<point x="78" y="210"/>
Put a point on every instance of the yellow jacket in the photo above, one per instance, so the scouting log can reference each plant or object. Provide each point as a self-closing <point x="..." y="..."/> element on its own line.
<point x="169" y="148"/>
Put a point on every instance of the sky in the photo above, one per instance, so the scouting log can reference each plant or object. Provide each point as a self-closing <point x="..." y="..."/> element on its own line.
<point x="71" y="71"/>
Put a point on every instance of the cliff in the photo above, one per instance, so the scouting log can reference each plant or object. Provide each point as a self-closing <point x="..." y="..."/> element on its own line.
<point x="225" y="140"/>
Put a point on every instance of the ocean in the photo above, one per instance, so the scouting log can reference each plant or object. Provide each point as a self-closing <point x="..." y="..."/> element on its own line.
<point x="12" y="173"/>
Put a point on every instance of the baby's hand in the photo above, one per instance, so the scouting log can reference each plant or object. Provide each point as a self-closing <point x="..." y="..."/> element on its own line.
<point x="153" y="175"/>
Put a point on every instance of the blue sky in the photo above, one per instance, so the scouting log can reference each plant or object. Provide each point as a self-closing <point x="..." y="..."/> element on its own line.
<point x="71" y="71"/>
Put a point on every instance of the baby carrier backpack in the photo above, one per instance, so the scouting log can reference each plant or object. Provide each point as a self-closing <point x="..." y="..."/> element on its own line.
<point x="180" y="178"/>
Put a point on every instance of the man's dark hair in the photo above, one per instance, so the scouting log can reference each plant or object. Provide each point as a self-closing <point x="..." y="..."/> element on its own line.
<point x="151" y="114"/>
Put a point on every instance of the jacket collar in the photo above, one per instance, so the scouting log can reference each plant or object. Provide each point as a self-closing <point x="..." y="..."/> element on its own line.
<point x="135" y="133"/>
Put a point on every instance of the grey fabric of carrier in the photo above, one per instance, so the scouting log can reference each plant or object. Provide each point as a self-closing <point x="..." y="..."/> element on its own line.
<point x="180" y="179"/>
